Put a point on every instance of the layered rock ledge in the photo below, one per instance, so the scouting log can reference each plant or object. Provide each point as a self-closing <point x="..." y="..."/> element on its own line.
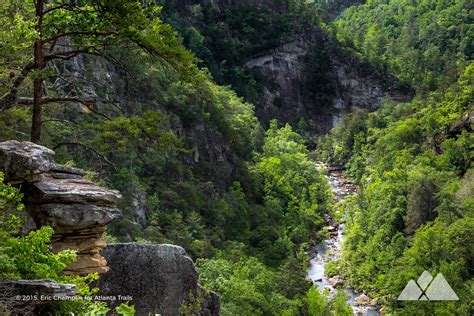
<point x="58" y="196"/>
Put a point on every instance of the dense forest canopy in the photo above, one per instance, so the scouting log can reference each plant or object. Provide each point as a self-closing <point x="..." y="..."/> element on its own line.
<point x="413" y="161"/>
<point x="153" y="98"/>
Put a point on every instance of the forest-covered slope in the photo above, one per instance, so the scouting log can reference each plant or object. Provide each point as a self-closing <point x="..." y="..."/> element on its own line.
<point x="413" y="161"/>
<point x="183" y="106"/>
<point x="280" y="56"/>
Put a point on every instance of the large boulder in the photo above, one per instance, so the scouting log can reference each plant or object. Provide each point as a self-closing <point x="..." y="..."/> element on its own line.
<point x="362" y="300"/>
<point x="159" y="279"/>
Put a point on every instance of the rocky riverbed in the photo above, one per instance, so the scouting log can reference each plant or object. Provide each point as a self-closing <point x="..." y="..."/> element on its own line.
<point x="330" y="249"/>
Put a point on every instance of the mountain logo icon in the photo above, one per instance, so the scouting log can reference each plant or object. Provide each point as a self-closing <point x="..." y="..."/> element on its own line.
<point x="428" y="288"/>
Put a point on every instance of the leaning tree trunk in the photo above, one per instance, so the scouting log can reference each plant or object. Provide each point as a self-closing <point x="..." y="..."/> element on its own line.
<point x="38" y="81"/>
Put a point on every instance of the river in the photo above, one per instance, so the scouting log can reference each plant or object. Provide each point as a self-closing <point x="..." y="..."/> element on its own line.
<point x="330" y="249"/>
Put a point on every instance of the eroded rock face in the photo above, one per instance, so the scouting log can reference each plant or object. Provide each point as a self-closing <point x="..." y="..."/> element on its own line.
<point x="58" y="196"/>
<point x="158" y="277"/>
<point x="311" y="80"/>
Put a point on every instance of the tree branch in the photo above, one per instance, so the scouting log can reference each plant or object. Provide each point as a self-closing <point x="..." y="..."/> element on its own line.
<point x="57" y="36"/>
<point x="95" y="151"/>
<point x="66" y="55"/>
<point x="85" y="50"/>
<point x="9" y="98"/>
<point x="64" y="5"/>
<point x="88" y="104"/>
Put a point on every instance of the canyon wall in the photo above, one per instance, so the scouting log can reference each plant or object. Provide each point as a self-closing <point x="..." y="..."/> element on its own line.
<point x="310" y="82"/>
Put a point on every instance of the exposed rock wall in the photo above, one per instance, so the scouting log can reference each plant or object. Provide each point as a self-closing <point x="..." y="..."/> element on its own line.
<point x="312" y="80"/>
<point x="159" y="279"/>
<point x="101" y="83"/>
<point x="210" y="150"/>
<point x="58" y="196"/>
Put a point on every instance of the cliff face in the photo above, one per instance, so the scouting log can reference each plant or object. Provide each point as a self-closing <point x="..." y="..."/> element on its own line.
<point x="210" y="150"/>
<point x="308" y="81"/>
<point x="209" y="154"/>
<point x="99" y="80"/>
<point x="58" y="196"/>
<point x="311" y="82"/>
<point x="160" y="279"/>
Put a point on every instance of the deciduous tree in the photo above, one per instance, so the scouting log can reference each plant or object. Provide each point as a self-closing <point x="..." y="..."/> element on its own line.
<point x="62" y="30"/>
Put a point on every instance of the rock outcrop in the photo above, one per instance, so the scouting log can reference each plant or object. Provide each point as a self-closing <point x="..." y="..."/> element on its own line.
<point x="311" y="80"/>
<point x="39" y="290"/>
<point x="58" y="196"/>
<point x="159" y="279"/>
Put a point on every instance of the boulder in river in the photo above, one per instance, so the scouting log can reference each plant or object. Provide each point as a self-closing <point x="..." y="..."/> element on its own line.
<point x="336" y="281"/>
<point x="362" y="300"/>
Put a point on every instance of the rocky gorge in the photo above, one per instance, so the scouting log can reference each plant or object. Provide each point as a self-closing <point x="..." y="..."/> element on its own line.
<point x="235" y="157"/>
<point x="330" y="250"/>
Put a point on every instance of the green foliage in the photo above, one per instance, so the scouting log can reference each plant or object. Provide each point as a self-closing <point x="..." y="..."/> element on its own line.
<point x="127" y="134"/>
<point x="341" y="308"/>
<point x="224" y="38"/>
<point x="332" y="268"/>
<point x="295" y="197"/>
<point x="413" y="162"/>
<point x="26" y="257"/>
<point x="292" y="184"/>
<point x="31" y="257"/>
<point x="14" y="122"/>
<point x="248" y="287"/>
<point x="421" y="42"/>
<point x="193" y="305"/>
<point x="125" y="309"/>
<point x="11" y="206"/>
<point x="318" y="303"/>
<point x="102" y="310"/>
